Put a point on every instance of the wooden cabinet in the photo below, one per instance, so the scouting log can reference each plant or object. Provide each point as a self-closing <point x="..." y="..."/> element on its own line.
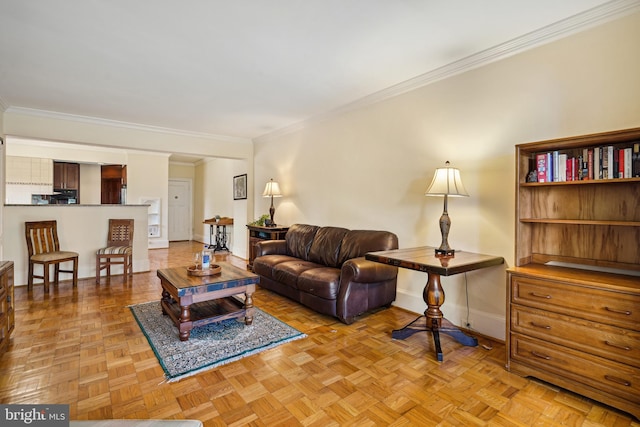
<point x="113" y="184"/>
<point x="29" y="170"/>
<point x="573" y="303"/>
<point x="258" y="233"/>
<point x="7" y="316"/>
<point x="66" y="176"/>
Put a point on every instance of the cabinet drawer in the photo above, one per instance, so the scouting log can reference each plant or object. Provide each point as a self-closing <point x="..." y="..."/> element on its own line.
<point x="610" y="342"/>
<point x="616" y="378"/>
<point x="599" y="305"/>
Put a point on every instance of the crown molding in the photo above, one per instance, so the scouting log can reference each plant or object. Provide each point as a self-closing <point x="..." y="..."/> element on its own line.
<point x="572" y="25"/>
<point x="115" y="123"/>
<point x="3" y="105"/>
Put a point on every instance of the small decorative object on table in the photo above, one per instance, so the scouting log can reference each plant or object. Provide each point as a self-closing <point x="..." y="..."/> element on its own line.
<point x="213" y="269"/>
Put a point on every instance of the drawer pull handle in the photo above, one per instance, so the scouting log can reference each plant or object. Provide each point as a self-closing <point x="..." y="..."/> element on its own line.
<point x="621" y="347"/>
<point x="541" y="356"/>
<point x="537" y="295"/>
<point x="613" y="310"/>
<point x="617" y="380"/>
<point x="535" y="325"/>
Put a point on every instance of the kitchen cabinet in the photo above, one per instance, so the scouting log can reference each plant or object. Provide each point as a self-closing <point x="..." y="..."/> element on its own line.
<point x="113" y="184"/>
<point x="29" y="170"/>
<point x="66" y="176"/>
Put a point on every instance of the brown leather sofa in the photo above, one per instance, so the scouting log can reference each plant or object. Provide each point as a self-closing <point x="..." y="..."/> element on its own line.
<point x="324" y="269"/>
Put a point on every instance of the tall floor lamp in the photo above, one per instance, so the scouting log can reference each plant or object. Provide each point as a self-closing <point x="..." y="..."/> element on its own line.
<point x="272" y="189"/>
<point x="446" y="182"/>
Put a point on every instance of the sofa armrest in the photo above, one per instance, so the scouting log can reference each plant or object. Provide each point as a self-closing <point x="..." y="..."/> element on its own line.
<point x="361" y="270"/>
<point x="364" y="285"/>
<point x="271" y="247"/>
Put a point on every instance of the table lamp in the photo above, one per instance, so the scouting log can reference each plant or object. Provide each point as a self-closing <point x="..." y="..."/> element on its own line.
<point x="272" y="189"/>
<point x="446" y="182"/>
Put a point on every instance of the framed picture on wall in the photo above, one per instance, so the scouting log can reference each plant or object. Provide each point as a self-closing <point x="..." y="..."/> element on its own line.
<point x="240" y="187"/>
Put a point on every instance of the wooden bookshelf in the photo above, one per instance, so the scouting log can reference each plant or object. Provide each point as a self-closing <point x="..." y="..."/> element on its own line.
<point x="573" y="303"/>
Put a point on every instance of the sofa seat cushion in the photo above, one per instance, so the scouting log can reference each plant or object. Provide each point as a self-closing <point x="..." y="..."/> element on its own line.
<point x="323" y="282"/>
<point x="264" y="265"/>
<point x="288" y="272"/>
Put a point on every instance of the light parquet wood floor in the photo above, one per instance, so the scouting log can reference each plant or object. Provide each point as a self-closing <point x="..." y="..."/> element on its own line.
<point x="82" y="347"/>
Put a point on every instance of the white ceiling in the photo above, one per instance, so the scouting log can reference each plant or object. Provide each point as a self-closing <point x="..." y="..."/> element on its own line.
<point x="248" y="68"/>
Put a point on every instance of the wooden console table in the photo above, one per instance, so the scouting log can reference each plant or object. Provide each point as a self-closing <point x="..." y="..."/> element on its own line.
<point x="424" y="259"/>
<point x="220" y="233"/>
<point x="259" y="233"/>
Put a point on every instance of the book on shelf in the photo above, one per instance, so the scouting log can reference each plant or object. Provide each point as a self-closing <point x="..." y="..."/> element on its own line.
<point x="589" y="163"/>
<point x="541" y="167"/>
<point x="628" y="161"/>
<point x="562" y="167"/>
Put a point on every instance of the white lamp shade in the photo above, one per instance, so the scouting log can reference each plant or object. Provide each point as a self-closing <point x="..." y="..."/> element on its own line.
<point x="272" y="189"/>
<point x="446" y="182"/>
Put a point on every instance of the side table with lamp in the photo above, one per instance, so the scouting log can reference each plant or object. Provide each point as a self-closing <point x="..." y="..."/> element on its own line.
<point x="267" y="230"/>
<point x="436" y="262"/>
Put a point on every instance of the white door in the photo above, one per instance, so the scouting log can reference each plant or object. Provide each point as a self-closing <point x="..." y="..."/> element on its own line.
<point x="179" y="209"/>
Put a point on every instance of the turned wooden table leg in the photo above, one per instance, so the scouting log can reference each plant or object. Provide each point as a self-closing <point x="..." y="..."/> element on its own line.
<point x="248" y="305"/>
<point x="166" y="298"/>
<point x="434" y="297"/>
<point x="185" y="322"/>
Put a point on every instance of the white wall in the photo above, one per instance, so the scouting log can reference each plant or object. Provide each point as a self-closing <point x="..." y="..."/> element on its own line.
<point x="369" y="168"/>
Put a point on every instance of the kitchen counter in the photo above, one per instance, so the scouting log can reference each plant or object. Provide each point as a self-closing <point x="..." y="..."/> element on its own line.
<point x="81" y="228"/>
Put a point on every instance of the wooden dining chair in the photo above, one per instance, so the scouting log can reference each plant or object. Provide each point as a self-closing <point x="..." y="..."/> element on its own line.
<point x="44" y="249"/>
<point x="119" y="249"/>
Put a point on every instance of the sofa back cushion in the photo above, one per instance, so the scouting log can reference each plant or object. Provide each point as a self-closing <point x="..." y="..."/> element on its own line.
<point x="357" y="243"/>
<point x="325" y="248"/>
<point x="299" y="238"/>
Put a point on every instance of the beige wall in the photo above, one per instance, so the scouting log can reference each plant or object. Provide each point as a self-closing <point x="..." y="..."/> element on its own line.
<point x="213" y="195"/>
<point x="369" y="168"/>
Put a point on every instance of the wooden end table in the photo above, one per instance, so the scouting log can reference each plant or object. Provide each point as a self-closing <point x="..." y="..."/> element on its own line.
<point x="192" y="301"/>
<point x="424" y="259"/>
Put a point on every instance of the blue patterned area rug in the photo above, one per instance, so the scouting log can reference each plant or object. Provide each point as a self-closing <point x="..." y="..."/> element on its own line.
<point x="211" y="345"/>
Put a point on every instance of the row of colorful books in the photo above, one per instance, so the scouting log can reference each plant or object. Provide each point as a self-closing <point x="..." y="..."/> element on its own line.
<point x="607" y="162"/>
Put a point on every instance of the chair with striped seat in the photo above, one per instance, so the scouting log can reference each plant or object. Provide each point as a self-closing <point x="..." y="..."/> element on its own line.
<point x="44" y="249"/>
<point x="119" y="249"/>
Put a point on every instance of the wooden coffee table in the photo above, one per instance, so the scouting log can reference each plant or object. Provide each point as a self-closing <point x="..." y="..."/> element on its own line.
<point x="192" y="301"/>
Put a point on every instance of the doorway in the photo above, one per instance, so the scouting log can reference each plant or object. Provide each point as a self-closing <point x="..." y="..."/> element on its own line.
<point x="180" y="217"/>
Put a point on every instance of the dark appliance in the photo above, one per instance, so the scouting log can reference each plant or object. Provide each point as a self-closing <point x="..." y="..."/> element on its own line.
<point x="64" y="197"/>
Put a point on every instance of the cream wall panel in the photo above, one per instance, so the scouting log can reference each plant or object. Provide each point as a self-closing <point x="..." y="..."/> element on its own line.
<point x="369" y="168"/>
<point x="148" y="178"/>
<point x="214" y="189"/>
<point x="81" y="229"/>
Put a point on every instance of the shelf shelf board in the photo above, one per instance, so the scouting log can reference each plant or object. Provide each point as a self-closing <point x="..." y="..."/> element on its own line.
<point x="581" y="222"/>
<point x="584" y="182"/>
